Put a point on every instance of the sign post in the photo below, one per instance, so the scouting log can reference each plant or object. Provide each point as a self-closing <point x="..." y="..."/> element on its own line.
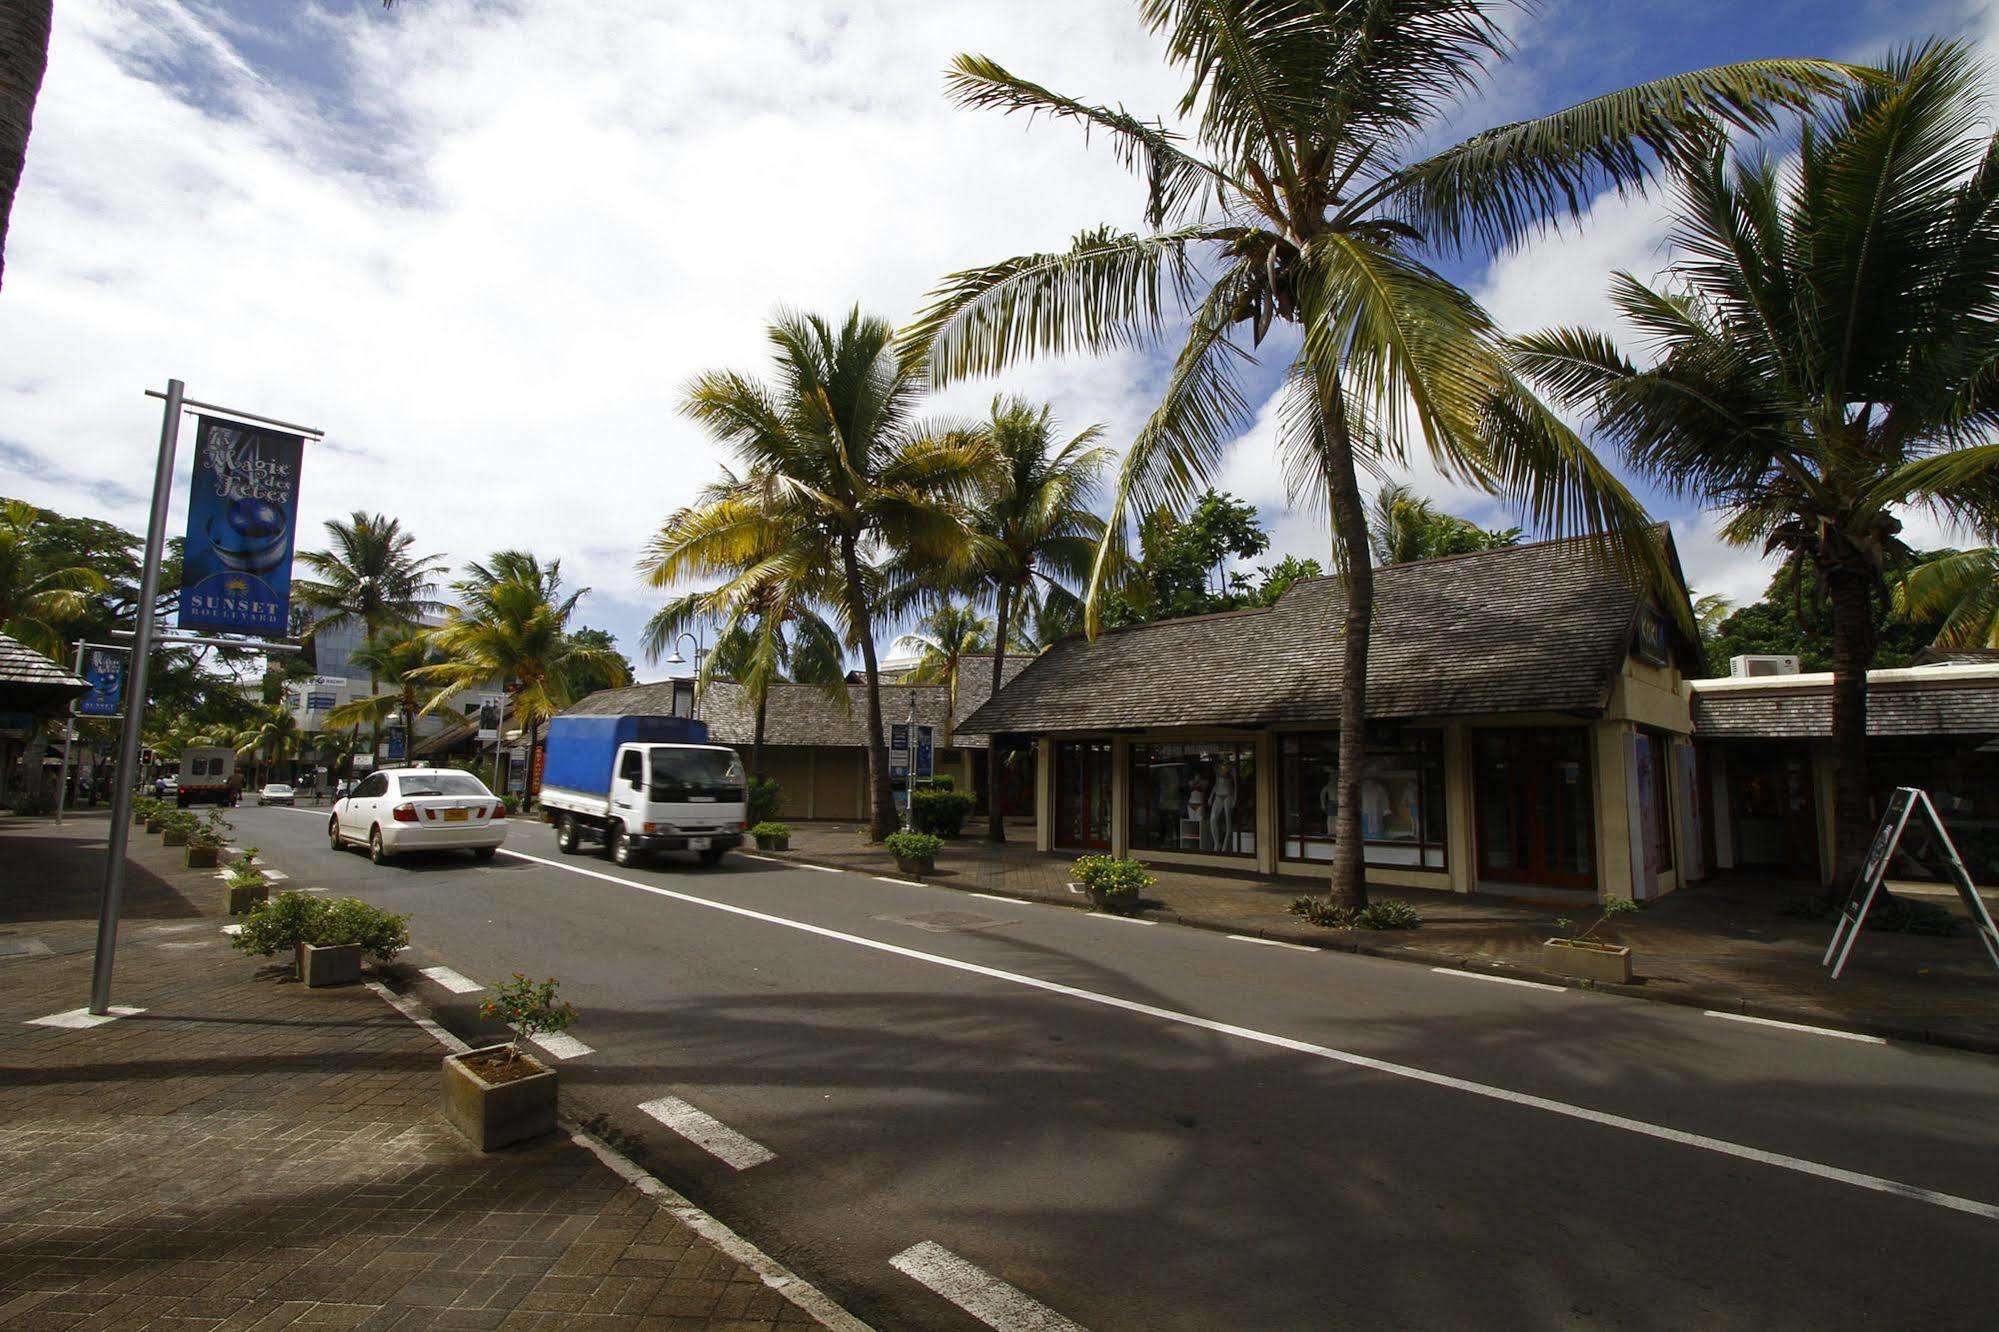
<point x="1902" y="806"/>
<point x="104" y="668"/>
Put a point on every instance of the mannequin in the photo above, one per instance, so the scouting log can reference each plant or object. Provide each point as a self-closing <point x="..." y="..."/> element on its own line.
<point x="1197" y="807"/>
<point x="1329" y="802"/>
<point x="1221" y="808"/>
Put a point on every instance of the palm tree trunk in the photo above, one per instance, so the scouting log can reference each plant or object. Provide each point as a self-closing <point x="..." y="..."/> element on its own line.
<point x="995" y="815"/>
<point x="374" y="728"/>
<point x="1853" y="642"/>
<point x="24" y="58"/>
<point x="757" y="741"/>
<point x="1349" y="881"/>
<point x="881" y="803"/>
<point x="530" y="788"/>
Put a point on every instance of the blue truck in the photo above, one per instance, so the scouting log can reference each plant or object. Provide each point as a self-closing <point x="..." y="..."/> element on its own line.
<point x="636" y="785"/>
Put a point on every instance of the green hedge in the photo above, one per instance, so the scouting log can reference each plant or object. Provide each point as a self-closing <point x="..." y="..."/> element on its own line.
<point x="942" y="813"/>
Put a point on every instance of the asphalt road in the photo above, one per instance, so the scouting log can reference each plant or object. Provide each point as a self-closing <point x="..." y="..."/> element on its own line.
<point x="1149" y="1127"/>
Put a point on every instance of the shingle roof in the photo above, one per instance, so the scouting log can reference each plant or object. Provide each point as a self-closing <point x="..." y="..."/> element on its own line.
<point x="1926" y="700"/>
<point x="30" y="682"/>
<point x="1538" y="628"/>
<point x="800" y="714"/>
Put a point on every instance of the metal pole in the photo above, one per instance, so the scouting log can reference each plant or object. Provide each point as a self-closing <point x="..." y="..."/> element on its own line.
<point x="68" y="734"/>
<point x="135" y="707"/>
<point x="499" y="740"/>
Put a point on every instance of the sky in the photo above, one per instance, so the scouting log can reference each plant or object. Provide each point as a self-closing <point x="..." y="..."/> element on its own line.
<point x="485" y="245"/>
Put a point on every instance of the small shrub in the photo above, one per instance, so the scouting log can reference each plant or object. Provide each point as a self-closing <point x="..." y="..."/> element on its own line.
<point x="940" y="812"/>
<point x="180" y="823"/>
<point x="762" y="797"/>
<point x="769" y="828"/>
<point x="530" y="1008"/>
<point x="1388" y="916"/>
<point x="281" y="924"/>
<point x="1903" y="915"/>
<point x="1612" y="908"/>
<point x="1116" y="885"/>
<point x="1324" y="912"/>
<point x="212" y="832"/>
<point x="30" y="802"/>
<point x="349" y="920"/>
<point x="938" y="783"/>
<point x="913" y="845"/>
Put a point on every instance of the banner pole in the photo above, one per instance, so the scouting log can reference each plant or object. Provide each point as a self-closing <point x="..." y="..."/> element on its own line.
<point x="135" y="706"/>
<point x="68" y="734"/>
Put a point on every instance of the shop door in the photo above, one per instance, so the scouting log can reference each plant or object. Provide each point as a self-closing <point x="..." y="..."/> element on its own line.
<point x="1773" y="810"/>
<point x="1083" y="794"/>
<point x="1536" y="812"/>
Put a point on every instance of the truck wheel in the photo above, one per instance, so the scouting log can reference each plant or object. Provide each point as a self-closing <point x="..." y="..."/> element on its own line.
<point x="377" y="852"/>
<point x="566" y="837"/>
<point x="713" y="855"/>
<point x="620" y="843"/>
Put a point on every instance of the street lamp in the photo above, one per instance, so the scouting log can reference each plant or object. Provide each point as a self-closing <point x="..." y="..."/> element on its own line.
<point x="700" y="651"/>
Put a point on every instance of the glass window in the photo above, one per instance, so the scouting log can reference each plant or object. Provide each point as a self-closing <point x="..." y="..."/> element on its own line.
<point x="1194" y="797"/>
<point x="1401" y="798"/>
<point x="1653" y="798"/>
<point x="678" y="773"/>
<point x="442" y="784"/>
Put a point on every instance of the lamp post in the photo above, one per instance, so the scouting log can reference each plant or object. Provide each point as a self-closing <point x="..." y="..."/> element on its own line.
<point x="700" y="651"/>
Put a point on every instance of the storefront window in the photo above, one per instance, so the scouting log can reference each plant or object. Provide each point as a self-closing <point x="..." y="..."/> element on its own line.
<point x="1401" y="798"/>
<point x="1961" y="776"/>
<point x="1194" y="797"/>
<point x="1654" y="802"/>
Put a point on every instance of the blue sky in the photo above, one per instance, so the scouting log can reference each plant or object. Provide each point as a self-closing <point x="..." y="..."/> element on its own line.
<point x="484" y="245"/>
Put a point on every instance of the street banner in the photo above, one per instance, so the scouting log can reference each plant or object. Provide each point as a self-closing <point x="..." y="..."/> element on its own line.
<point x="393" y="742"/>
<point x="925" y="751"/>
<point x="241" y="515"/>
<point x="489" y="715"/>
<point x="898" y="735"/>
<point x="104" y="668"/>
<point x="319" y="702"/>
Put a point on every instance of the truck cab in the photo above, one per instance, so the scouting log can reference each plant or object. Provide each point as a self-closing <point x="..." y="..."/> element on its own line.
<point x="661" y="788"/>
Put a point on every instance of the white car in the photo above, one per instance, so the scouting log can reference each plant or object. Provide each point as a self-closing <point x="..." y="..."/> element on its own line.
<point x="419" y="809"/>
<point x="277" y="793"/>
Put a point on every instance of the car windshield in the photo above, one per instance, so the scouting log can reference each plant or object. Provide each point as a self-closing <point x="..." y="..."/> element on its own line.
<point x="673" y="768"/>
<point x="278" y="790"/>
<point x="443" y="784"/>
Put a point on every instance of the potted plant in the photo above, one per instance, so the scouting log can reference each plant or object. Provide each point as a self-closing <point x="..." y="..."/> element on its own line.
<point x="1114" y="885"/>
<point x="246" y="883"/>
<point x="280" y="924"/>
<point x="501" y="1094"/>
<point x="204" y="844"/>
<point x="339" y="932"/>
<point x="1586" y="958"/>
<point x="915" y="853"/>
<point x="772" y="836"/>
<point x="176" y="826"/>
<point x="144" y="810"/>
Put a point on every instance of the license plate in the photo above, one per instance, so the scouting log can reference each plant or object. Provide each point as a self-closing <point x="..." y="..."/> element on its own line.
<point x="456" y="815"/>
<point x="697" y="844"/>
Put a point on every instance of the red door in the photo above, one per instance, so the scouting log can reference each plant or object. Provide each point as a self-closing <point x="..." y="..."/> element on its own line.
<point x="1083" y="794"/>
<point x="1536" y="811"/>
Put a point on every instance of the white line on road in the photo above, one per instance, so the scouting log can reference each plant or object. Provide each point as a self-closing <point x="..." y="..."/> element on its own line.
<point x="563" y="1046"/>
<point x="995" y="897"/>
<point x="1796" y="1026"/>
<point x="769" y="860"/>
<point x="980" y="1294"/>
<point x="1644" y="1128"/>
<point x="1122" y="920"/>
<point x="1274" y="943"/>
<point x="900" y="883"/>
<point x="708" y="1133"/>
<point x="1500" y="980"/>
<point x="415" y="1014"/>
<point x="823" y="869"/>
<point x="452" y="981"/>
<point x="232" y="929"/>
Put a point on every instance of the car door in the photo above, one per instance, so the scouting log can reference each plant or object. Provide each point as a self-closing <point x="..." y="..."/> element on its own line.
<point x="628" y="792"/>
<point x="358" y="814"/>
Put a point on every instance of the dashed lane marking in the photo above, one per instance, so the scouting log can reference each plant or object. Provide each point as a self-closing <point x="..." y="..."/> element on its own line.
<point x="900" y="883"/>
<point x="563" y="1046"/>
<point x="1548" y="1105"/>
<point x="1275" y="943"/>
<point x="1796" y="1026"/>
<point x="980" y="1294"/>
<point x="1500" y="980"/>
<point x="1122" y="920"/>
<point x="452" y="981"/>
<point x="708" y="1133"/>
<point x="416" y="1014"/>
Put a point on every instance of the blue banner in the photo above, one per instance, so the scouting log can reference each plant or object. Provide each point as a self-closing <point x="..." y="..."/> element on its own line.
<point x="925" y="754"/>
<point x="104" y="668"/>
<point x="241" y="516"/>
<point x="394" y="742"/>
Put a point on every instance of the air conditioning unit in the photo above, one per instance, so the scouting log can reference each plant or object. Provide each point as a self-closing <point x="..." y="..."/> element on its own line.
<point x="1762" y="665"/>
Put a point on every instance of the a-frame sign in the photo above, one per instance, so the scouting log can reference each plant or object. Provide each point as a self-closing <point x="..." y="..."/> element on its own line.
<point x="1902" y="807"/>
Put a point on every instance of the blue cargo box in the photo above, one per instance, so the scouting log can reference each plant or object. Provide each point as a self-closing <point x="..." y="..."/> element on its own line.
<point x="581" y="749"/>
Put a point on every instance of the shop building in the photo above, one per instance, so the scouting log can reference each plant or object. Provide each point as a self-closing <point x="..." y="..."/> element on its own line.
<point x="1529" y="733"/>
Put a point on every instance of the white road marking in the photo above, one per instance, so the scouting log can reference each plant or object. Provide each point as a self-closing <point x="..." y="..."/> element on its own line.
<point x="1625" y="1123"/>
<point x="1274" y="943"/>
<point x="708" y="1133"/>
<point x="980" y="1294"/>
<point x="279" y="876"/>
<point x="79" y="1018"/>
<point x="1500" y="980"/>
<point x="232" y="929"/>
<point x="452" y="981"/>
<point x="771" y="860"/>
<point x="995" y="897"/>
<point x="1796" y="1026"/>
<point x="416" y="1015"/>
<point x="900" y="883"/>
<point x="1122" y="920"/>
<point x="563" y="1046"/>
<point x="823" y="869"/>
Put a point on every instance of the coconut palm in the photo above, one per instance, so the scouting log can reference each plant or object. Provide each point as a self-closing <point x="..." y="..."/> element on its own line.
<point x="36" y="601"/>
<point x="392" y="660"/>
<point x="513" y="625"/>
<point x="24" y="57"/>
<point x="942" y="639"/>
<point x="1035" y="536"/>
<point x="1824" y="353"/>
<point x="368" y="575"/>
<point x="1301" y="198"/>
<point x="838" y="474"/>
<point x="1963" y="589"/>
<point x="272" y="736"/>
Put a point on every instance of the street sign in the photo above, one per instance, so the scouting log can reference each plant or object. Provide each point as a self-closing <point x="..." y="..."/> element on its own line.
<point x="898" y="736"/>
<point x="1905" y="804"/>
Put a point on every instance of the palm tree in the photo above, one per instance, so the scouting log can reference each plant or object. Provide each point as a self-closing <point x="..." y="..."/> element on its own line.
<point x="1299" y="199"/>
<point x="943" y="638"/>
<point x="24" y="58"/>
<point x="1404" y="526"/>
<point x="368" y="575"/>
<point x="35" y="602"/>
<point x="1824" y="354"/>
<point x="393" y="660"/>
<point x="513" y="625"/>
<point x="836" y="473"/>
<point x="1035" y="536"/>
<point x="273" y="735"/>
<point x="1963" y="589"/>
<point x="1709" y="612"/>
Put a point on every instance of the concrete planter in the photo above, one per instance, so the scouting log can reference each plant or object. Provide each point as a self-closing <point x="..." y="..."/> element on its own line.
<point x="242" y="901"/>
<point x="1587" y="960"/>
<point x="172" y="838"/>
<point x="334" y="964"/>
<point x="916" y="866"/>
<point x="497" y="1114"/>
<point x="204" y="857"/>
<point x="773" y="844"/>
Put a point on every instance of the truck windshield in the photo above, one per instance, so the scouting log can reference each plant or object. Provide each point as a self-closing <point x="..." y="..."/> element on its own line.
<point x="709" y="772"/>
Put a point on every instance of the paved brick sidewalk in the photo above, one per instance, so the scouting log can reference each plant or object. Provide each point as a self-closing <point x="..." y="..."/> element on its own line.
<point x="1724" y="945"/>
<point x="250" y="1153"/>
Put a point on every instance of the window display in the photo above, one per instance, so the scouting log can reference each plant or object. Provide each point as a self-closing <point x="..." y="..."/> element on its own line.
<point x="1194" y="797"/>
<point x="1401" y="799"/>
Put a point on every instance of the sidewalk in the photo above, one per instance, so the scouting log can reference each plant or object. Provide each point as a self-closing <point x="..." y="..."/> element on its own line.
<point x="1724" y="945"/>
<point x="249" y="1153"/>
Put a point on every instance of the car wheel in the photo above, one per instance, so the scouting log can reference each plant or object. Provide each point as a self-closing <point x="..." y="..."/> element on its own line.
<point x="713" y="855"/>
<point x="566" y="838"/>
<point x="377" y="852"/>
<point x="483" y="853"/>
<point x="333" y="834"/>
<point x="621" y="845"/>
